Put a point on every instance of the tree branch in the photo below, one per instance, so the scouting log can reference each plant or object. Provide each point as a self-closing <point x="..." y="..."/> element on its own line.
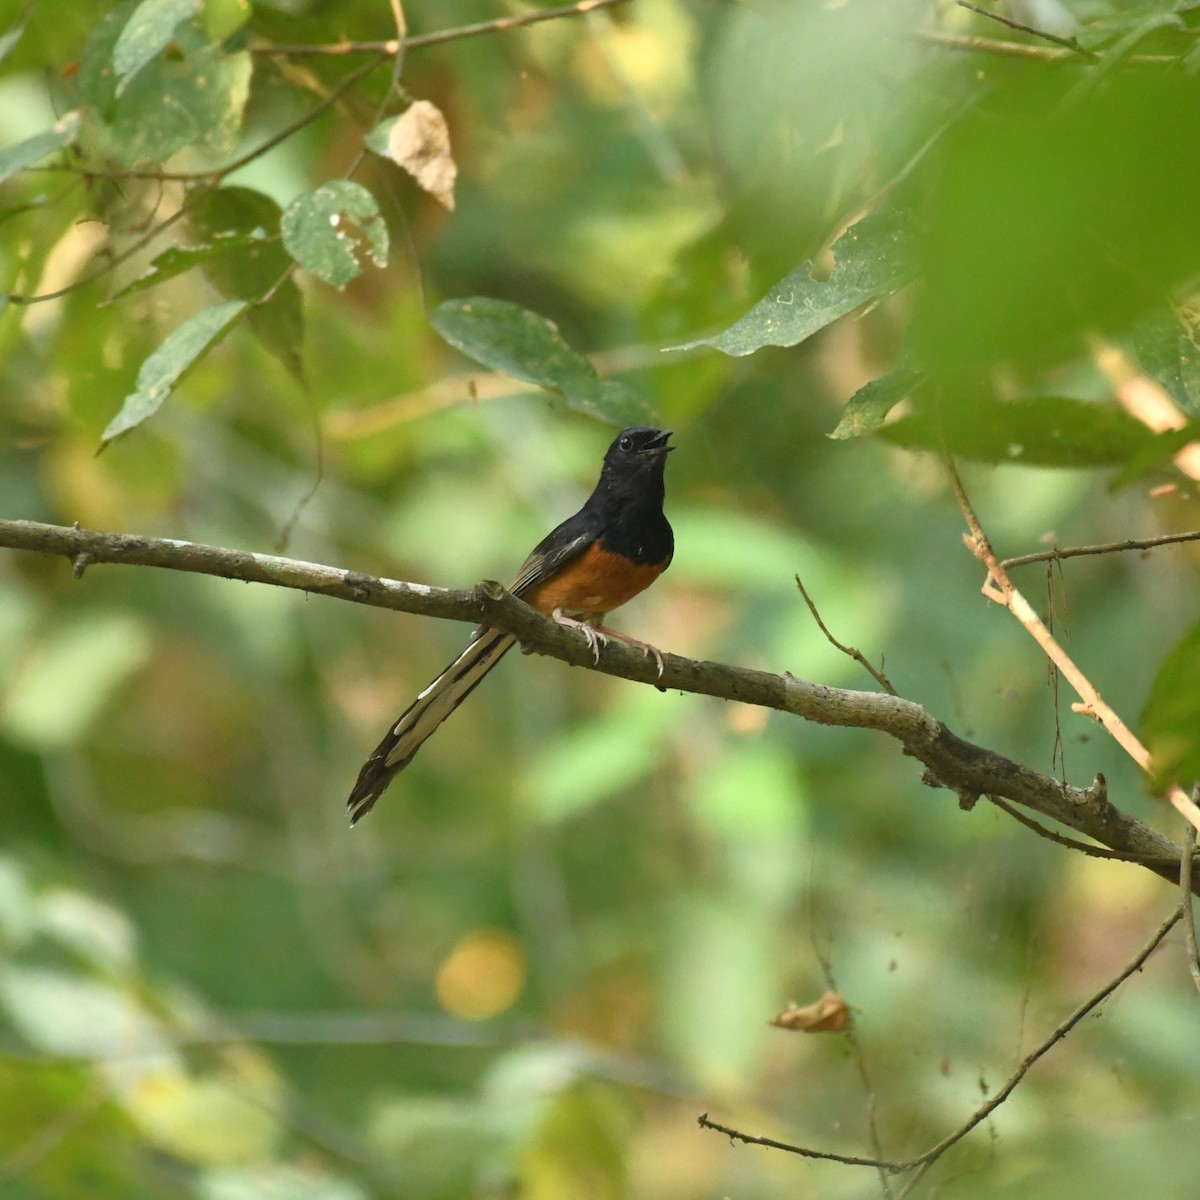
<point x="998" y="587"/>
<point x="437" y="38"/>
<point x="950" y="761"/>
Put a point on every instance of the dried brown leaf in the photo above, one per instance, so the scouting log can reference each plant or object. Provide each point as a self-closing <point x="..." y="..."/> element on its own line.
<point x="419" y="141"/>
<point x="829" y="1014"/>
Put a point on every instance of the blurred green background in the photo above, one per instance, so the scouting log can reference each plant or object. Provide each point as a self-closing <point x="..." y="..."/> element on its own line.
<point x="560" y="937"/>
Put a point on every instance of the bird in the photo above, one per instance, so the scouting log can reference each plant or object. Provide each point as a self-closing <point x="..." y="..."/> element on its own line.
<point x="614" y="547"/>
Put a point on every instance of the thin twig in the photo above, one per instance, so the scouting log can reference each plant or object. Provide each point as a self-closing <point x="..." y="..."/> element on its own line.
<point x="1052" y="54"/>
<point x="1069" y="43"/>
<point x="752" y="1139"/>
<point x="879" y="677"/>
<point x="437" y="38"/>
<point x="1185" y="890"/>
<point x="1072" y="843"/>
<point x="998" y="587"/>
<point x="985" y="1110"/>
<point x="981" y="1114"/>
<point x="1167" y="539"/>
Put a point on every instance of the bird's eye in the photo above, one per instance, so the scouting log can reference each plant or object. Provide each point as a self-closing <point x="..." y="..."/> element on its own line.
<point x="626" y="443"/>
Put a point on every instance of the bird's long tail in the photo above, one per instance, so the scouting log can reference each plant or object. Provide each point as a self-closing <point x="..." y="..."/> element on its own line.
<point x="424" y="715"/>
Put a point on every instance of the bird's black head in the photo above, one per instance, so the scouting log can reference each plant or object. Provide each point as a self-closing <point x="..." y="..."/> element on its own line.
<point x="637" y="451"/>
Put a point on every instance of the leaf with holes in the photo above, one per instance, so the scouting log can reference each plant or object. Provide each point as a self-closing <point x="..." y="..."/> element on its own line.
<point x="508" y="338"/>
<point x="327" y="231"/>
<point x="167" y="365"/>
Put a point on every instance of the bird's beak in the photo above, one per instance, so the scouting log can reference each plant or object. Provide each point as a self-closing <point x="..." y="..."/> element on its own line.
<point x="659" y="446"/>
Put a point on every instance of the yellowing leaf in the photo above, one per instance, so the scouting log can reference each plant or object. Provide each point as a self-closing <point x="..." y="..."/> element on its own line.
<point x="419" y="142"/>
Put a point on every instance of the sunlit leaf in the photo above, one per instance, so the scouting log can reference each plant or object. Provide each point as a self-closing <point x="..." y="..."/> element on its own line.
<point x="8" y="43"/>
<point x="99" y="933"/>
<point x="579" y="770"/>
<point x="508" y="338"/>
<point x="168" y="364"/>
<point x="869" y="406"/>
<point x="67" y="683"/>
<point x="77" y="1017"/>
<point x="1167" y="351"/>
<point x="263" y="1180"/>
<point x="327" y="231"/>
<point x="222" y="18"/>
<point x="17" y="913"/>
<point x="873" y="258"/>
<point x="24" y="154"/>
<point x="217" y="1117"/>
<point x="1171" y="718"/>
<point x="147" y="32"/>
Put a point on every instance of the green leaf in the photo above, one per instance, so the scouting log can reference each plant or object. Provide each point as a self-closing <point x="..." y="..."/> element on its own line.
<point x="1171" y="718"/>
<point x="1155" y="454"/>
<point x="1047" y="431"/>
<point x="1050" y="217"/>
<point x="175" y="260"/>
<point x="325" y="231"/>
<point x="24" y="154"/>
<point x="223" y="18"/>
<point x="75" y="1017"/>
<point x="195" y="98"/>
<point x="377" y="139"/>
<point x="579" y="770"/>
<point x="97" y="932"/>
<point x="8" y="43"/>
<point x="508" y="338"/>
<point x="871" y="259"/>
<point x="166" y="366"/>
<point x="276" y="1179"/>
<point x="149" y="30"/>
<point x="64" y="686"/>
<point x="239" y="213"/>
<point x="869" y="406"/>
<point x="1166" y="349"/>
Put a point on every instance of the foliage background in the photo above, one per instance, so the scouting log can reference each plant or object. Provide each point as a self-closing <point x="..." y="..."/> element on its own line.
<point x="560" y="937"/>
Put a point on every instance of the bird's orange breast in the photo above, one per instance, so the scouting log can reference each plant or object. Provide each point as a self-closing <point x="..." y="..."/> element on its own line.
<point x="593" y="584"/>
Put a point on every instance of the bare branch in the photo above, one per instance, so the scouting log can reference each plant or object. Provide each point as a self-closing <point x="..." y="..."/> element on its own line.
<point x="1186" y="866"/>
<point x="1068" y="43"/>
<point x="1167" y="539"/>
<point x="854" y="653"/>
<point x="1051" y="54"/>
<point x="753" y="1139"/>
<point x="950" y="761"/>
<point x="998" y="587"/>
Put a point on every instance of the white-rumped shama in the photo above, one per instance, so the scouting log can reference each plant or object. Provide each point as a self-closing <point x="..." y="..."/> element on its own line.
<point x="615" y="546"/>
